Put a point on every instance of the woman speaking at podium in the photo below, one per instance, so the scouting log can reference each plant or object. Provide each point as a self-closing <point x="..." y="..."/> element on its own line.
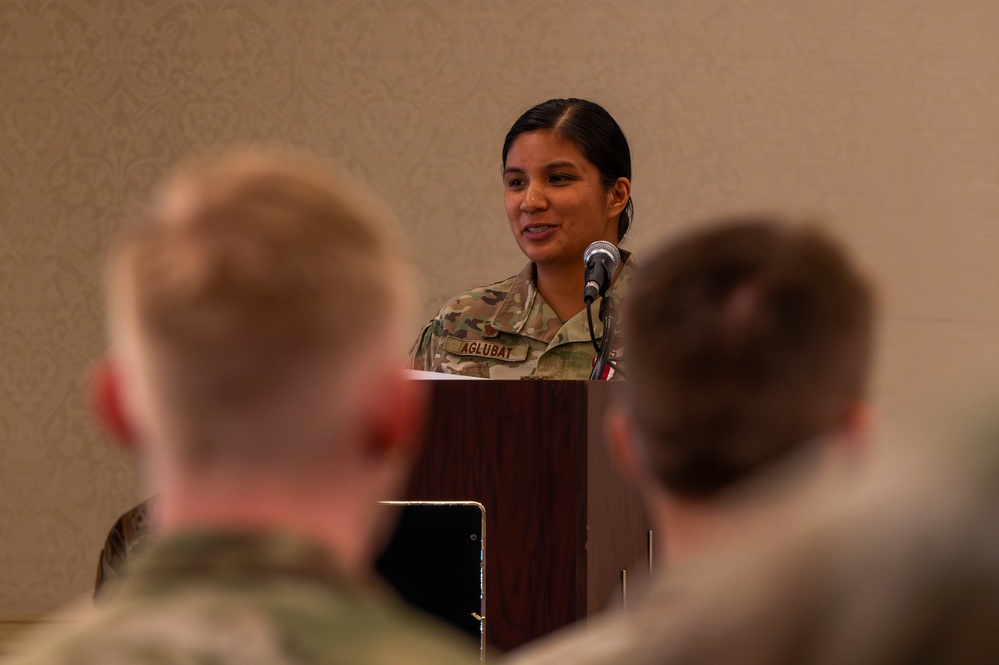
<point x="567" y="184"/>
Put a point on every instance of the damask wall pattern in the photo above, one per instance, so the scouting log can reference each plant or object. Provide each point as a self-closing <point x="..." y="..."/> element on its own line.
<point x="881" y="118"/>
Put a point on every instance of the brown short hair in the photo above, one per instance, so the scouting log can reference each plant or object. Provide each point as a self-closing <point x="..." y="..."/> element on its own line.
<point x="744" y="340"/>
<point x="250" y="266"/>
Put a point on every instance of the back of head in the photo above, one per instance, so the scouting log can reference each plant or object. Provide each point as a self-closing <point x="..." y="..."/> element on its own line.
<point x="745" y="340"/>
<point x="901" y="568"/>
<point x="257" y="282"/>
<point x="592" y="130"/>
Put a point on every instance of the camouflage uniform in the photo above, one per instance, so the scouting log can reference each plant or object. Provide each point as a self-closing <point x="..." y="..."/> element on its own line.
<point x="506" y="330"/>
<point x="247" y="598"/>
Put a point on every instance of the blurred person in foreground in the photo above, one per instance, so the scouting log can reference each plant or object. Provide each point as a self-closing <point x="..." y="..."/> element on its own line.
<point x="269" y="420"/>
<point x="900" y="568"/>
<point x="749" y="345"/>
<point x="903" y="569"/>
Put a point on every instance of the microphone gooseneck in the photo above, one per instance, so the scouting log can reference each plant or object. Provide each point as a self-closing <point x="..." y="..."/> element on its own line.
<point x="600" y="261"/>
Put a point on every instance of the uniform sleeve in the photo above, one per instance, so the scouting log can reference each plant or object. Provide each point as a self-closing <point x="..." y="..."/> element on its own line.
<point x="426" y="348"/>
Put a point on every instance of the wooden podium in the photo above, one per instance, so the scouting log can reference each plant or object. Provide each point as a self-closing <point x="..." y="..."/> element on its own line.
<point x="561" y="525"/>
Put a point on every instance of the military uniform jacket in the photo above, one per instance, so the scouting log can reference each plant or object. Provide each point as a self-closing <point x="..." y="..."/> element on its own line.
<point x="246" y="599"/>
<point x="506" y="330"/>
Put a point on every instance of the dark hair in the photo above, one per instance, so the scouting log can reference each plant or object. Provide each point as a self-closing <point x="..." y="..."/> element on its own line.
<point x="745" y="340"/>
<point x="594" y="132"/>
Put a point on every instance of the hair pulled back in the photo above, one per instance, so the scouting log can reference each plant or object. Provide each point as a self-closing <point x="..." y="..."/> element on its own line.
<point x="592" y="129"/>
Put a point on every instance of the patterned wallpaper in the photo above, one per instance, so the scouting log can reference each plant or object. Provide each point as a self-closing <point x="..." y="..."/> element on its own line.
<point x="881" y="117"/>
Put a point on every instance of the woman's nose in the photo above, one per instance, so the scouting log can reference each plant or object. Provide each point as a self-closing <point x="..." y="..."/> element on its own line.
<point x="534" y="199"/>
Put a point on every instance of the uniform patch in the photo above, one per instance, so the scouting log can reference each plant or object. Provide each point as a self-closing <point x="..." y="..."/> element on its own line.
<point x="484" y="349"/>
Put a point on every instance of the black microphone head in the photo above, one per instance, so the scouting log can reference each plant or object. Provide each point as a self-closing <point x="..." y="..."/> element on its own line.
<point x="600" y="261"/>
<point x="602" y="247"/>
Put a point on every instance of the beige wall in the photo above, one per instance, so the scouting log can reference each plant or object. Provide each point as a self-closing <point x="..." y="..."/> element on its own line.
<point x="881" y="116"/>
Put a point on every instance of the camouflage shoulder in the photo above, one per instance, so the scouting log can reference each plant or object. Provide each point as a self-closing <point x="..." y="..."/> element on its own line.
<point x="467" y="310"/>
<point x="489" y="294"/>
<point x="421" y="354"/>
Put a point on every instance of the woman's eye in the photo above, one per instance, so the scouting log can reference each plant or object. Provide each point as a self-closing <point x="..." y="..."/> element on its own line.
<point x="559" y="178"/>
<point x="514" y="183"/>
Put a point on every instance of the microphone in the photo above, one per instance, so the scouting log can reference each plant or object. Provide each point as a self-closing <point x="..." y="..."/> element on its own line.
<point x="601" y="259"/>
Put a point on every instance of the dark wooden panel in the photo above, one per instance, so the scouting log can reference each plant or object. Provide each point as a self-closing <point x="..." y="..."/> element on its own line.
<point x="617" y="527"/>
<point x="521" y="449"/>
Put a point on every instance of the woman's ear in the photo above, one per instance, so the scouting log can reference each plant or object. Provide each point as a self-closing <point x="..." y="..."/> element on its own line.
<point x="618" y="196"/>
<point x="106" y="399"/>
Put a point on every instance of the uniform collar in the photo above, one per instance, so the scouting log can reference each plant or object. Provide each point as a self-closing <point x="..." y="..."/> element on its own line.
<point x="239" y="555"/>
<point x="516" y="307"/>
<point x="523" y="300"/>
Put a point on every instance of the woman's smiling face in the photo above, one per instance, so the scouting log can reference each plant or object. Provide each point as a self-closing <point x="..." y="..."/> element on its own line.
<point x="555" y="200"/>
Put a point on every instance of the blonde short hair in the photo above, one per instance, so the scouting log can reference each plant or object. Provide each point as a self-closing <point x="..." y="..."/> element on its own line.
<point x="249" y="267"/>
